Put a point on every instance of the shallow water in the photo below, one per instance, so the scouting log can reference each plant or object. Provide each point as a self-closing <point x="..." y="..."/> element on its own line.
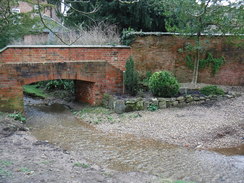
<point x="127" y="153"/>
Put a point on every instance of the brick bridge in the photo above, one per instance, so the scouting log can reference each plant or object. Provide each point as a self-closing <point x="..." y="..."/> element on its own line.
<point x="95" y="69"/>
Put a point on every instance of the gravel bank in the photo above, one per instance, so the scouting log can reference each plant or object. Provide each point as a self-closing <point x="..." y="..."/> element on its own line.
<point x="207" y="126"/>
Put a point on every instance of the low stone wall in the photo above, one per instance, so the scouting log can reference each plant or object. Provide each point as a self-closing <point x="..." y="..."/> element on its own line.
<point x="136" y="104"/>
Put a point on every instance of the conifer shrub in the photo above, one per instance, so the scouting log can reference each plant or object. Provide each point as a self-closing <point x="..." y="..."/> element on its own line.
<point x="212" y="90"/>
<point x="131" y="77"/>
<point x="163" y="84"/>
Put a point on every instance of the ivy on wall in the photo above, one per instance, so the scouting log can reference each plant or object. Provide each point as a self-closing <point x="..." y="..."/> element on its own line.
<point x="209" y="61"/>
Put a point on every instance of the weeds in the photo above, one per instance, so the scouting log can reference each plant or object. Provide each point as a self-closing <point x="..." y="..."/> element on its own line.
<point x="4" y="164"/>
<point x="18" y="116"/>
<point x="102" y="34"/>
<point x="152" y="107"/>
<point x="5" y="173"/>
<point x="83" y="165"/>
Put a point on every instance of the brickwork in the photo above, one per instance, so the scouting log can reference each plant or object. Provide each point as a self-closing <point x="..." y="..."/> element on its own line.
<point x="95" y="71"/>
<point x="154" y="53"/>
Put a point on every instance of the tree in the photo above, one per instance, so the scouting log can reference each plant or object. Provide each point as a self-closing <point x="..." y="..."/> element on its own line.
<point x="14" y="25"/>
<point x="203" y="17"/>
<point x="131" y="77"/>
<point x="136" y="14"/>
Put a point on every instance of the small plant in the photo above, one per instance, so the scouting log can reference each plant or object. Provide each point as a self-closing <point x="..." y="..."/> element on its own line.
<point x="18" y="116"/>
<point x="152" y="107"/>
<point x="212" y="90"/>
<point x="131" y="77"/>
<point x="163" y="84"/>
<point x="5" y="163"/>
<point x="4" y="173"/>
<point x="83" y="165"/>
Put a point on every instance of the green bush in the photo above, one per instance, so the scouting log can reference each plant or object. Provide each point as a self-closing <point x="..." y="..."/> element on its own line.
<point x="212" y="90"/>
<point x="61" y="84"/>
<point x="131" y="77"/>
<point x="163" y="84"/>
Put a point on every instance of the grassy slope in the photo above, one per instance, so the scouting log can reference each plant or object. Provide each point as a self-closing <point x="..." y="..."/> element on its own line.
<point x="34" y="91"/>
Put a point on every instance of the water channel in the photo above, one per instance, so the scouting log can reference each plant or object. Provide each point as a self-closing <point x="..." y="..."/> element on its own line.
<point x="127" y="153"/>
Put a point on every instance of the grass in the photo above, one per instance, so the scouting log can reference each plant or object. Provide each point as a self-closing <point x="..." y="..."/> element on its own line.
<point x="34" y="90"/>
<point x="83" y="165"/>
<point x="4" y="164"/>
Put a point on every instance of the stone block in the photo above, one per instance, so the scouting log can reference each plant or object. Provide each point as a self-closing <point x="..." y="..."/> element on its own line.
<point x="180" y="99"/>
<point x="154" y="101"/>
<point x="175" y="103"/>
<point x="189" y="99"/>
<point x="162" y="104"/>
<point x="139" y="105"/>
<point x="119" y="106"/>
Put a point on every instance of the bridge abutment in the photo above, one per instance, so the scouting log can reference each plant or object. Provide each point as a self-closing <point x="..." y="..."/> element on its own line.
<point x="24" y="65"/>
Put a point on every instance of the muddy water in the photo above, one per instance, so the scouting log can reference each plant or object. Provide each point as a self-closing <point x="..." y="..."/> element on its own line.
<point x="127" y="153"/>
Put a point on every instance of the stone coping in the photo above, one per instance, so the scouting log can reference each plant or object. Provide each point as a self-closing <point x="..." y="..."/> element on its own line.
<point x="65" y="46"/>
<point x="177" y="34"/>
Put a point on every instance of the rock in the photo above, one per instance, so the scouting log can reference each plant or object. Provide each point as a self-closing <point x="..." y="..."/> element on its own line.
<point x="202" y="98"/>
<point x="119" y="106"/>
<point x="162" y="99"/>
<point x="196" y="98"/>
<point x="130" y="102"/>
<point x="130" y="107"/>
<point x="168" y="102"/>
<point x="139" y="105"/>
<point x="111" y="102"/>
<point x="162" y="104"/>
<point x="175" y="103"/>
<point x="146" y="104"/>
<point x="180" y="99"/>
<point x="229" y="96"/>
<point x="154" y="101"/>
<point x="189" y="99"/>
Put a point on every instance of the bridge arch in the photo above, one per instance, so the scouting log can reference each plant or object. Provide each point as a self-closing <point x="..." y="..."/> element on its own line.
<point x="92" y="78"/>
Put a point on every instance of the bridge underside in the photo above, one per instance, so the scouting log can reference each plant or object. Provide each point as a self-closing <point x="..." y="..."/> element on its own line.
<point x="92" y="80"/>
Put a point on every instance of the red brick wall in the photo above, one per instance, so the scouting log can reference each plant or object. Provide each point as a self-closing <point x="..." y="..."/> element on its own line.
<point x="96" y="71"/>
<point x="114" y="56"/>
<point x="154" y="53"/>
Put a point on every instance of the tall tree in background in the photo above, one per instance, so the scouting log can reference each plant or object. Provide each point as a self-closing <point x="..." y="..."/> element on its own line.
<point x="139" y="15"/>
<point x="198" y="17"/>
<point x="14" y="25"/>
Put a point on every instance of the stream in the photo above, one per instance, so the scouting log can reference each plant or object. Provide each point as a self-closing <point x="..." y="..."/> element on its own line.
<point x="127" y="153"/>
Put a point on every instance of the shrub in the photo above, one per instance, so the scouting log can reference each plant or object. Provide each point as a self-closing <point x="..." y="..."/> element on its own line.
<point x="212" y="90"/>
<point x="60" y="84"/>
<point x="131" y="77"/>
<point x="163" y="84"/>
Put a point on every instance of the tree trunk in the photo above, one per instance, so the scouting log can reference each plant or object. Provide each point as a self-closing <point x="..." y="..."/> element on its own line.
<point x="196" y="62"/>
